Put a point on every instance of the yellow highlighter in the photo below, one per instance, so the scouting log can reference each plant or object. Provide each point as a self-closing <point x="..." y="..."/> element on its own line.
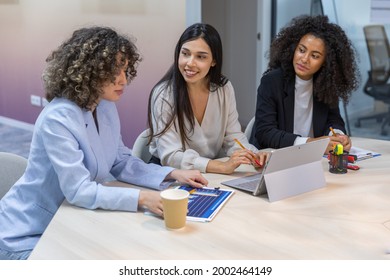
<point x="338" y="149"/>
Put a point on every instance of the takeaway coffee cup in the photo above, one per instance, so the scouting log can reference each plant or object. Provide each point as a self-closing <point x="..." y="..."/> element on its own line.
<point x="175" y="203"/>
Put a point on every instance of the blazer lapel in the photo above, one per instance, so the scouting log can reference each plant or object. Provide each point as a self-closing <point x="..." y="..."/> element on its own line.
<point x="96" y="146"/>
<point x="288" y="104"/>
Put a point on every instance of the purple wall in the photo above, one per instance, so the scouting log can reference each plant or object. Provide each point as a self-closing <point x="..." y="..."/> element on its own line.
<point x="31" y="29"/>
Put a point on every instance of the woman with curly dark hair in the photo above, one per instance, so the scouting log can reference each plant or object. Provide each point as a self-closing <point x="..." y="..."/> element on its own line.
<point x="312" y="67"/>
<point x="77" y="143"/>
<point x="192" y="115"/>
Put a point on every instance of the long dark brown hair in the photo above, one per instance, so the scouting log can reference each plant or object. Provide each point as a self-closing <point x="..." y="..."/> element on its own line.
<point x="174" y="80"/>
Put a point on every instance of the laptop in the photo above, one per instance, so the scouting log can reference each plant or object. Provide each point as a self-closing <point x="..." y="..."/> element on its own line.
<point x="288" y="171"/>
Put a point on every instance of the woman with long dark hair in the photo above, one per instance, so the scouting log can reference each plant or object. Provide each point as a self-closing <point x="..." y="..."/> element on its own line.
<point x="192" y="110"/>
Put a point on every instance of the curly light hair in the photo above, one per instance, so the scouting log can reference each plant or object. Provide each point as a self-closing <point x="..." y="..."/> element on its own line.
<point x="93" y="56"/>
<point x="338" y="77"/>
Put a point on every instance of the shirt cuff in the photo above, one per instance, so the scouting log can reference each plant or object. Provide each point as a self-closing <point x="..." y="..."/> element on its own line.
<point x="300" y="140"/>
<point x="338" y="131"/>
<point x="201" y="164"/>
<point x="166" y="184"/>
<point x="135" y="198"/>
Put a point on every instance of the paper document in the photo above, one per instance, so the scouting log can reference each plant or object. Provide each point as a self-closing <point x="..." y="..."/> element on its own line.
<point x="205" y="203"/>
<point x="362" y="153"/>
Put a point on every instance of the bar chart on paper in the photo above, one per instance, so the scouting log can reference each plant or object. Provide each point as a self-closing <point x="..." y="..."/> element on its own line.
<point x="205" y="203"/>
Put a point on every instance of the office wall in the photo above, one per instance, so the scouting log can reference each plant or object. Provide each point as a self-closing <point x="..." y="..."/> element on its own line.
<point x="236" y="24"/>
<point x="244" y="27"/>
<point x="287" y="9"/>
<point x="30" y="29"/>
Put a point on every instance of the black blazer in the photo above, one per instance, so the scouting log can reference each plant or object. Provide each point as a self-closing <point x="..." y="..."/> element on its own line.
<point x="274" y="118"/>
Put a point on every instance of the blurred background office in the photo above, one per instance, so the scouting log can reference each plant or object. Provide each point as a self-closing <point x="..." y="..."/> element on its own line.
<point x="30" y="29"/>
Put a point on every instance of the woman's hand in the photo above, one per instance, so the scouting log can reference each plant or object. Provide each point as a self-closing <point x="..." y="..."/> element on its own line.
<point x="345" y="141"/>
<point x="238" y="157"/>
<point x="261" y="157"/>
<point x="152" y="201"/>
<point x="334" y="140"/>
<point x="190" y="177"/>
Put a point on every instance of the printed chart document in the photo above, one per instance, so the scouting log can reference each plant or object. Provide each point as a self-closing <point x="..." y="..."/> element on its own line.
<point x="205" y="203"/>
<point x="362" y="154"/>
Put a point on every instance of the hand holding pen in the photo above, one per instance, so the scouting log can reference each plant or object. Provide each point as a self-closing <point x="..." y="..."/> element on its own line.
<point x="238" y="157"/>
<point x="347" y="144"/>
<point x="340" y="139"/>
<point x="262" y="157"/>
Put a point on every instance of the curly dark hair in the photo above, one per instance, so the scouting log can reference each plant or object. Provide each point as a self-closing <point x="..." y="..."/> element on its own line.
<point x="78" y="68"/>
<point x="338" y="77"/>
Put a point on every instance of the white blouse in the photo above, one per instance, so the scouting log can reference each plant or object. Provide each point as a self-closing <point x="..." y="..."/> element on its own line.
<point x="214" y="138"/>
<point x="303" y="110"/>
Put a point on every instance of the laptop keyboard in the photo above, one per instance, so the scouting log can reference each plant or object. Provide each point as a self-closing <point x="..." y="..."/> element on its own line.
<point x="246" y="183"/>
<point x="249" y="185"/>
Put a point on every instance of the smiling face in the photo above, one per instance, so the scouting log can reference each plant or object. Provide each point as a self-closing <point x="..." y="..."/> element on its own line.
<point x="309" y="56"/>
<point x="195" y="60"/>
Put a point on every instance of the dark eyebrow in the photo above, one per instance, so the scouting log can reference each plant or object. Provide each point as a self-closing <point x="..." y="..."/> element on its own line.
<point x="303" y="46"/>
<point x="318" y="52"/>
<point x="206" y="53"/>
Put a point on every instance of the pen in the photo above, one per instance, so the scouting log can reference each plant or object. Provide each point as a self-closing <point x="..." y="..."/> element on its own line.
<point x="336" y="146"/>
<point x="333" y="133"/>
<point x="366" y="156"/>
<point x="242" y="146"/>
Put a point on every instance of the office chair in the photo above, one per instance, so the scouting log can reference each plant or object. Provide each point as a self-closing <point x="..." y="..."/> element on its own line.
<point x="12" y="168"/>
<point x="377" y="85"/>
<point x="249" y="127"/>
<point x="140" y="147"/>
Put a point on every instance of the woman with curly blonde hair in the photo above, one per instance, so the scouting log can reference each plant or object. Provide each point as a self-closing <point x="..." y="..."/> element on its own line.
<point x="77" y="143"/>
<point x="312" y="67"/>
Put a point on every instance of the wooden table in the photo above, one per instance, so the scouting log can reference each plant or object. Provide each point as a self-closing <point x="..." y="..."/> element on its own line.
<point x="348" y="219"/>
